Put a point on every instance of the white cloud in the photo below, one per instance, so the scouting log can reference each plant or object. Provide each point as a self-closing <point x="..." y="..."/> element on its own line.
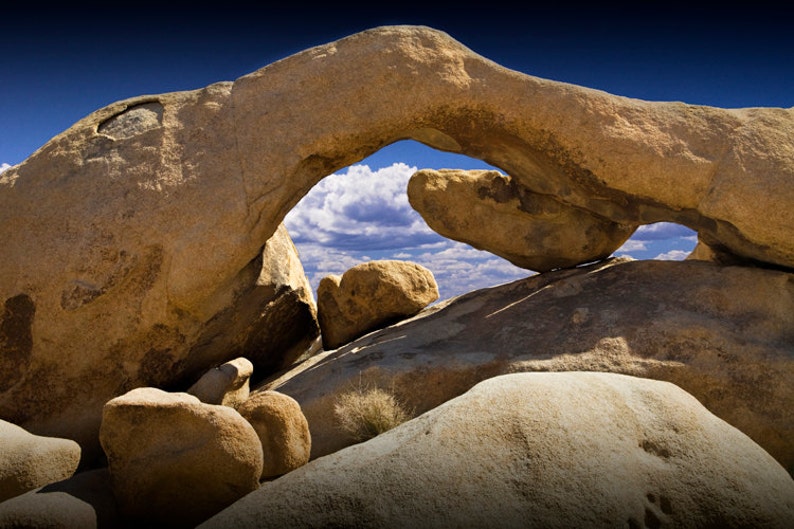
<point x="360" y="209"/>
<point x="661" y="230"/>
<point x="632" y="245"/>
<point x="360" y="214"/>
<point x="672" y="255"/>
<point x="4" y="166"/>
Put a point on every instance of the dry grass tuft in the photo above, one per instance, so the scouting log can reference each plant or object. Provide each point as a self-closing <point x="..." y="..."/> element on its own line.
<point x="367" y="412"/>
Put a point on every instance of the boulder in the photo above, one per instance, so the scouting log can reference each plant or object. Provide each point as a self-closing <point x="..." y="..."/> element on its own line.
<point x="227" y="384"/>
<point x="174" y="460"/>
<point x="29" y="461"/>
<point x="369" y="296"/>
<point x="282" y="429"/>
<point x="724" y="334"/>
<point x="145" y="221"/>
<point x="577" y="449"/>
<point x="493" y="212"/>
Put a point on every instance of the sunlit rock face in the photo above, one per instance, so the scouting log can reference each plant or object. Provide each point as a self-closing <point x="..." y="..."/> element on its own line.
<point x="590" y="450"/>
<point x="492" y="212"/>
<point x="134" y="237"/>
<point x="370" y="296"/>
<point x="725" y="334"/>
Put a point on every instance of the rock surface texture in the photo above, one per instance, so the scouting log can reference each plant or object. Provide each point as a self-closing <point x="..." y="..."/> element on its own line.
<point x="83" y="501"/>
<point x="30" y="461"/>
<point x="146" y="220"/>
<point x="723" y="334"/>
<point x="282" y="429"/>
<point x="556" y="450"/>
<point x="370" y="296"/>
<point x="173" y="460"/>
<point x="493" y="212"/>
<point x="227" y="384"/>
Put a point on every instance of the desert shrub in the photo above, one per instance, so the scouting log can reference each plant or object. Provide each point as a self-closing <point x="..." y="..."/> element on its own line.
<point x="364" y="413"/>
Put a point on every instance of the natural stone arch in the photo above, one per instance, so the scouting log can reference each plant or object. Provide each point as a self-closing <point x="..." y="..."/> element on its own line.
<point x="627" y="160"/>
<point x="132" y="230"/>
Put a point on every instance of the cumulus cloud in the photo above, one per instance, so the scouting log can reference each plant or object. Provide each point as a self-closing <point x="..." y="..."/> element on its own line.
<point x="662" y="240"/>
<point x="632" y="245"/>
<point x="661" y="230"/>
<point x="362" y="214"/>
<point x="360" y="209"/>
<point x="672" y="255"/>
<point x="4" y="166"/>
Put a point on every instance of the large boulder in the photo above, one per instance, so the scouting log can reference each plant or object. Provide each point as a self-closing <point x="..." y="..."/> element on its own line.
<point x="30" y="461"/>
<point x="174" y="460"/>
<point x="369" y="296"/>
<point x="132" y="242"/>
<point x="724" y="334"/>
<point x="493" y="212"/>
<point x="556" y="450"/>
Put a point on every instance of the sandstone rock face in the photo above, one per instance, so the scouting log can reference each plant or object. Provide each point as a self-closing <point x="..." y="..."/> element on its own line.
<point x="282" y="428"/>
<point x="369" y="296"/>
<point x="227" y="384"/>
<point x="145" y="221"/>
<point x="278" y="322"/>
<point x="492" y="212"/>
<point x="30" y="461"/>
<point x="269" y="315"/>
<point x="174" y="460"/>
<point x="592" y="450"/>
<point x="724" y="334"/>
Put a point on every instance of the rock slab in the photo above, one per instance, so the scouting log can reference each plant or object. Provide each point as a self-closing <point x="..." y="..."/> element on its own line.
<point x="556" y="450"/>
<point x="725" y="334"/>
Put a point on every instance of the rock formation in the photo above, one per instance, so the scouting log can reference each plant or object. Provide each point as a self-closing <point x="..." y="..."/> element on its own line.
<point x="227" y="384"/>
<point x="724" y="334"/>
<point x="283" y="430"/>
<point x="369" y="296"/>
<point x="144" y="246"/>
<point x="492" y="212"/>
<point x="590" y="450"/>
<point x="174" y="460"/>
<point x="30" y="461"/>
<point x="145" y="221"/>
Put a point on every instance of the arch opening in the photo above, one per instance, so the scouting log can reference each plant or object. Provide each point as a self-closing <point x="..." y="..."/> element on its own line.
<point x="361" y="213"/>
<point x="664" y="241"/>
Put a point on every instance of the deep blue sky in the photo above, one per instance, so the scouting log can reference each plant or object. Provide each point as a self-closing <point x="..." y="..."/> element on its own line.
<point x="58" y="65"/>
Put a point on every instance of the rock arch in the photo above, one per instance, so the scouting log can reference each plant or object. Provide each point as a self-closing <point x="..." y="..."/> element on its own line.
<point x="156" y="207"/>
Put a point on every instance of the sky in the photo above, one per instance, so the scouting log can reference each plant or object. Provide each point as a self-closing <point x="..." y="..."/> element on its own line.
<point x="60" y="64"/>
